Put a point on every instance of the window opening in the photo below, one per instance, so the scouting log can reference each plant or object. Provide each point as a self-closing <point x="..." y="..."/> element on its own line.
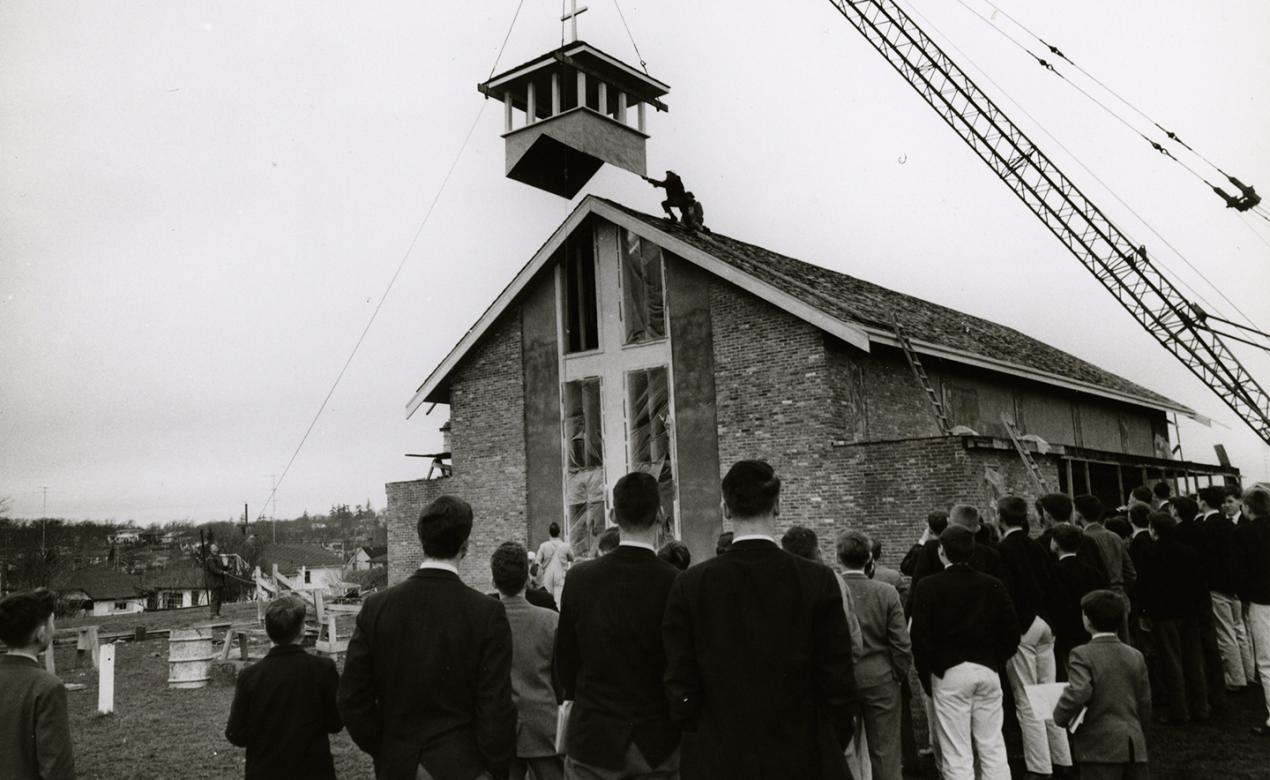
<point x="648" y="419"/>
<point x="643" y="290"/>
<point x="582" y="332"/>
<point x="584" y="478"/>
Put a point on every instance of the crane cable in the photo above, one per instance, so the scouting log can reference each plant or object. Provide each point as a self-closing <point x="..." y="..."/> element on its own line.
<point x="401" y="264"/>
<point x="630" y="35"/>
<point x="1244" y="201"/>
<point x="1177" y="277"/>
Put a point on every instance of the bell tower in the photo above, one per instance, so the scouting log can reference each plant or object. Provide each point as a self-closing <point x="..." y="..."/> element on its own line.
<point x="571" y="110"/>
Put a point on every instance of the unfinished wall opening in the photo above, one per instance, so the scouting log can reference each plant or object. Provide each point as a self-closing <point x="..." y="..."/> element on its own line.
<point x="584" y="492"/>
<point x="643" y="290"/>
<point x="581" y="316"/>
<point x="650" y="438"/>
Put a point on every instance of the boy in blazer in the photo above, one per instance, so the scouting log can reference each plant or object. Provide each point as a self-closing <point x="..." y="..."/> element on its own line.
<point x="35" y="737"/>
<point x="1108" y="679"/>
<point x="284" y="706"/>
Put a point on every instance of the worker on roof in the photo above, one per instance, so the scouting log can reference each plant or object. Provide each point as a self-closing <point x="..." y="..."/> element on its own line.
<point x="694" y="216"/>
<point x="676" y="197"/>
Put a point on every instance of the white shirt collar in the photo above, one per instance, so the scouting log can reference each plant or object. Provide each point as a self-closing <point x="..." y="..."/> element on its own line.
<point x="1137" y="531"/>
<point x="1011" y="529"/>
<point x="443" y="565"/>
<point x="748" y="537"/>
<point x="1209" y="514"/>
<point x="855" y="573"/>
<point x="1066" y="555"/>
<point x="641" y="545"/>
<point x="23" y="654"/>
<point x="1111" y="634"/>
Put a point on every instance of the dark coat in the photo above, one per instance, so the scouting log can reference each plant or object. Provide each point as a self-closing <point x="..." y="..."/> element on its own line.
<point x="1252" y="551"/>
<point x="1087" y="552"/>
<point x="759" y="665"/>
<point x="986" y="559"/>
<point x="610" y="660"/>
<point x="1110" y="678"/>
<point x="1171" y="586"/>
<point x="427" y="680"/>
<point x="962" y="615"/>
<point x="1030" y="580"/>
<point x="1219" y="550"/>
<point x="1073" y="578"/>
<point x="283" y="710"/>
<point x="35" y="734"/>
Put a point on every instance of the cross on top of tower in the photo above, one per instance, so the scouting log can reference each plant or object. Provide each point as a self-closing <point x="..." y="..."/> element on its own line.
<point x="572" y="18"/>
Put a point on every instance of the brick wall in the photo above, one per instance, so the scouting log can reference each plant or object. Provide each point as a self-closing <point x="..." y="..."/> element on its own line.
<point x="487" y="415"/>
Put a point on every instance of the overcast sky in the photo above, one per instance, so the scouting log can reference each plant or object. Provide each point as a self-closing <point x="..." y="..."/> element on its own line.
<point x="201" y="203"/>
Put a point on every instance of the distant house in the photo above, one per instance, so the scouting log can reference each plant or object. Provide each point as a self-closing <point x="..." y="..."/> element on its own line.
<point x="175" y="587"/>
<point x="126" y="537"/>
<point x="308" y="564"/>
<point x="366" y="558"/>
<point x="101" y="591"/>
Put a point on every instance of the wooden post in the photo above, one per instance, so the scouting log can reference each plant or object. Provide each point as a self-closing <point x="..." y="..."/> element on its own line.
<point x="87" y="643"/>
<point x="242" y="646"/>
<point x="507" y="112"/>
<point x="319" y="613"/>
<point x="555" y="94"/>
<point x="621" y="106"/>
<point x="639" y="112"/>
<point x="581" y="90"/>
<point x="603" y="97"/>
<point x="531" y="103"/>
<point x="106" y="681"/>
<point x="229" y="642"/>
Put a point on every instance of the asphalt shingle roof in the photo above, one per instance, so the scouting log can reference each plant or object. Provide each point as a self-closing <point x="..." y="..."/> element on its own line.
<point x="290" y="557"/>
<point x="99" y="583"/>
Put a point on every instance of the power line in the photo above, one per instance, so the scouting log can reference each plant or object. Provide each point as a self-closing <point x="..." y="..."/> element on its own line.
<point x="393" y="280"/>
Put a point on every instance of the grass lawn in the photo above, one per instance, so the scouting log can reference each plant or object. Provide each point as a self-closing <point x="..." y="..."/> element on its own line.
<point x="161" y="733"/>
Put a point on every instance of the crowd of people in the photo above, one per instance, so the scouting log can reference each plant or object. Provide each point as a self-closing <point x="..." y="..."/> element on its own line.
<point x="761" y="662"/>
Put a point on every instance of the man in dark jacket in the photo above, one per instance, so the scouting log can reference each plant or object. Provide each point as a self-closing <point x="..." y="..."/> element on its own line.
<point x="1252" y="580"/>
<point x="984" y="558"/>
<point x="1055" y="508"/>
<point x="35" y="735"/>
<point x="609" y="656"/>
<point x="758" y="652"/>
<point x="1073" y="579"/>
<point x="964" y="631"/>
<point x="1219" y="550"/>
<point x="284" y="706"/>
<point x="426" y="689"/>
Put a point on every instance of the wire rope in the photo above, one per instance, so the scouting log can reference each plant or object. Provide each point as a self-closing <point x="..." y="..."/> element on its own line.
<point x="622" y="16"/>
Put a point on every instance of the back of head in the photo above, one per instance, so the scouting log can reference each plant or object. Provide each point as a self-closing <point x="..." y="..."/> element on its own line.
<point x="22" y="613"/>
<point x="1056" y="505"/>
<point x="854" y="549"/>
<point x="937" y="521"/>
<point x="284" y="619"/>
<point x="1090" y="508"/>
<point x="876" y="549"/>
<point x="509" y="567"/>
<point x="724" y="543"/>
<point x="750" y="489"/>
<point x="1162" y="491"/>
<point x="1139" y="514"/>
<point x="1067" y="537"/>
<point x="1257" y="501"/>
<point x="1212" y="496"/>
<point x="636" y="501"/>
<point x="1120" y="525"/>
<point x="958" y="543"/>
<point x="1186" y="508"/>
<point x="676" y="553"/>
<point x="801" y="542"/>
<point x="1143" y="493"/>
<point x="553" y="530"/>
<point x="1104" y="609"/>
<point x="1012" y="512"/>
<point x="963" y="516"/>
<point x="444" y="526"/>
<point x="1163" y="523"/>
<point x="610" y="539"/>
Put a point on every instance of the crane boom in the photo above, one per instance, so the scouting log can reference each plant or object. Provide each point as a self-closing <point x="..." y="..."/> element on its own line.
<point x="1082" y="227"/>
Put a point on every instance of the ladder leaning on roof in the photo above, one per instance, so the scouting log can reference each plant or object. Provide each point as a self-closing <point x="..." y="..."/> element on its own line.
<point x="1033" y="471"/>
<point x="936" y="406"/>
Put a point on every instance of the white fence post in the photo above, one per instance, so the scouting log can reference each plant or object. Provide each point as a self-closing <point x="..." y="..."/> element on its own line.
<point x="106" y="680"/>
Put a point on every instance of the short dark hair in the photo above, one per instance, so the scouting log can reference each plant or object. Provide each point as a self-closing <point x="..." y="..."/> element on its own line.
<point x="1104" y="608"/>
<point x="875" y="545"/>
<point x="1186" y="508"/>
<point x="1257" y="501"/>
<point x="444" y="526"/>
<point x="1090" y="507"/>
<point x="1142" y="493"/>
<point x="22" y="613"/>
<point x="1057" y="505"/>
<point x="958" y="543"/>
<point x="801" y="542"/>
<point x="724" y="543"/>
<point x="853" y="549"/>
<point x="1013" y="511"/>
<point x="1162" y="490"/>
<point x="1139" y="515"/>
<point x="1212" y="495"/>
<point x="1067" y="537"/>
<point x="962" y="514"/>
<point x="937" y="521"/>
<point x="1163" y="522"/>
<point x="284" y="619"/>
<point x="751" y="488"/>
<point x="609" y="540"/>
<point x="676" y="554"/>
<point x="553" y="529"/>
<point x="636" y="500"/>
<point x="509" y="567"/>
<point x="1120" y="525"/>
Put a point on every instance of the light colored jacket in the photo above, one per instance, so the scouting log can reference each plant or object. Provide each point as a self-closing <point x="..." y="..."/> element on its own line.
<point x="853" y="623"/>
<point x="533" y="642"/>
<point x="1110" y="678"/>
<point x="888" y="652"/>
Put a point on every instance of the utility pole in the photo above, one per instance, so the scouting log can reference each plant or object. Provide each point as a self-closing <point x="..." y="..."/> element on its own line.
<point x="273" y="515"/>
<point x="44" y="523"/>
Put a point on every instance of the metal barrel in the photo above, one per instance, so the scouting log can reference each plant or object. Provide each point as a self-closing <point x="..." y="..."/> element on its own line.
<point x="189" y="657"/>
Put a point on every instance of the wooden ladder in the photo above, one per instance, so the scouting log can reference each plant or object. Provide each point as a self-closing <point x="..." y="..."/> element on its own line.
<point x="1033" y="471"/>
<point x="936" y="405"/>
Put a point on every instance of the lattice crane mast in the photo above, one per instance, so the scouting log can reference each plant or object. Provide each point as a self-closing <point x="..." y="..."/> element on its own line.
<point x="1125" y="270"/>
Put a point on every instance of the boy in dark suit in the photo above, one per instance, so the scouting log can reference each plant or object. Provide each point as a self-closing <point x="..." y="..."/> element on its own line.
<point x="1109" y="680"/>
<point x="758" y="654"/>
<point x="609" y="655"/>
<point x="35" y="737"/>
<point x="1073" y="579"/>
<point x="284" y="706"/>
